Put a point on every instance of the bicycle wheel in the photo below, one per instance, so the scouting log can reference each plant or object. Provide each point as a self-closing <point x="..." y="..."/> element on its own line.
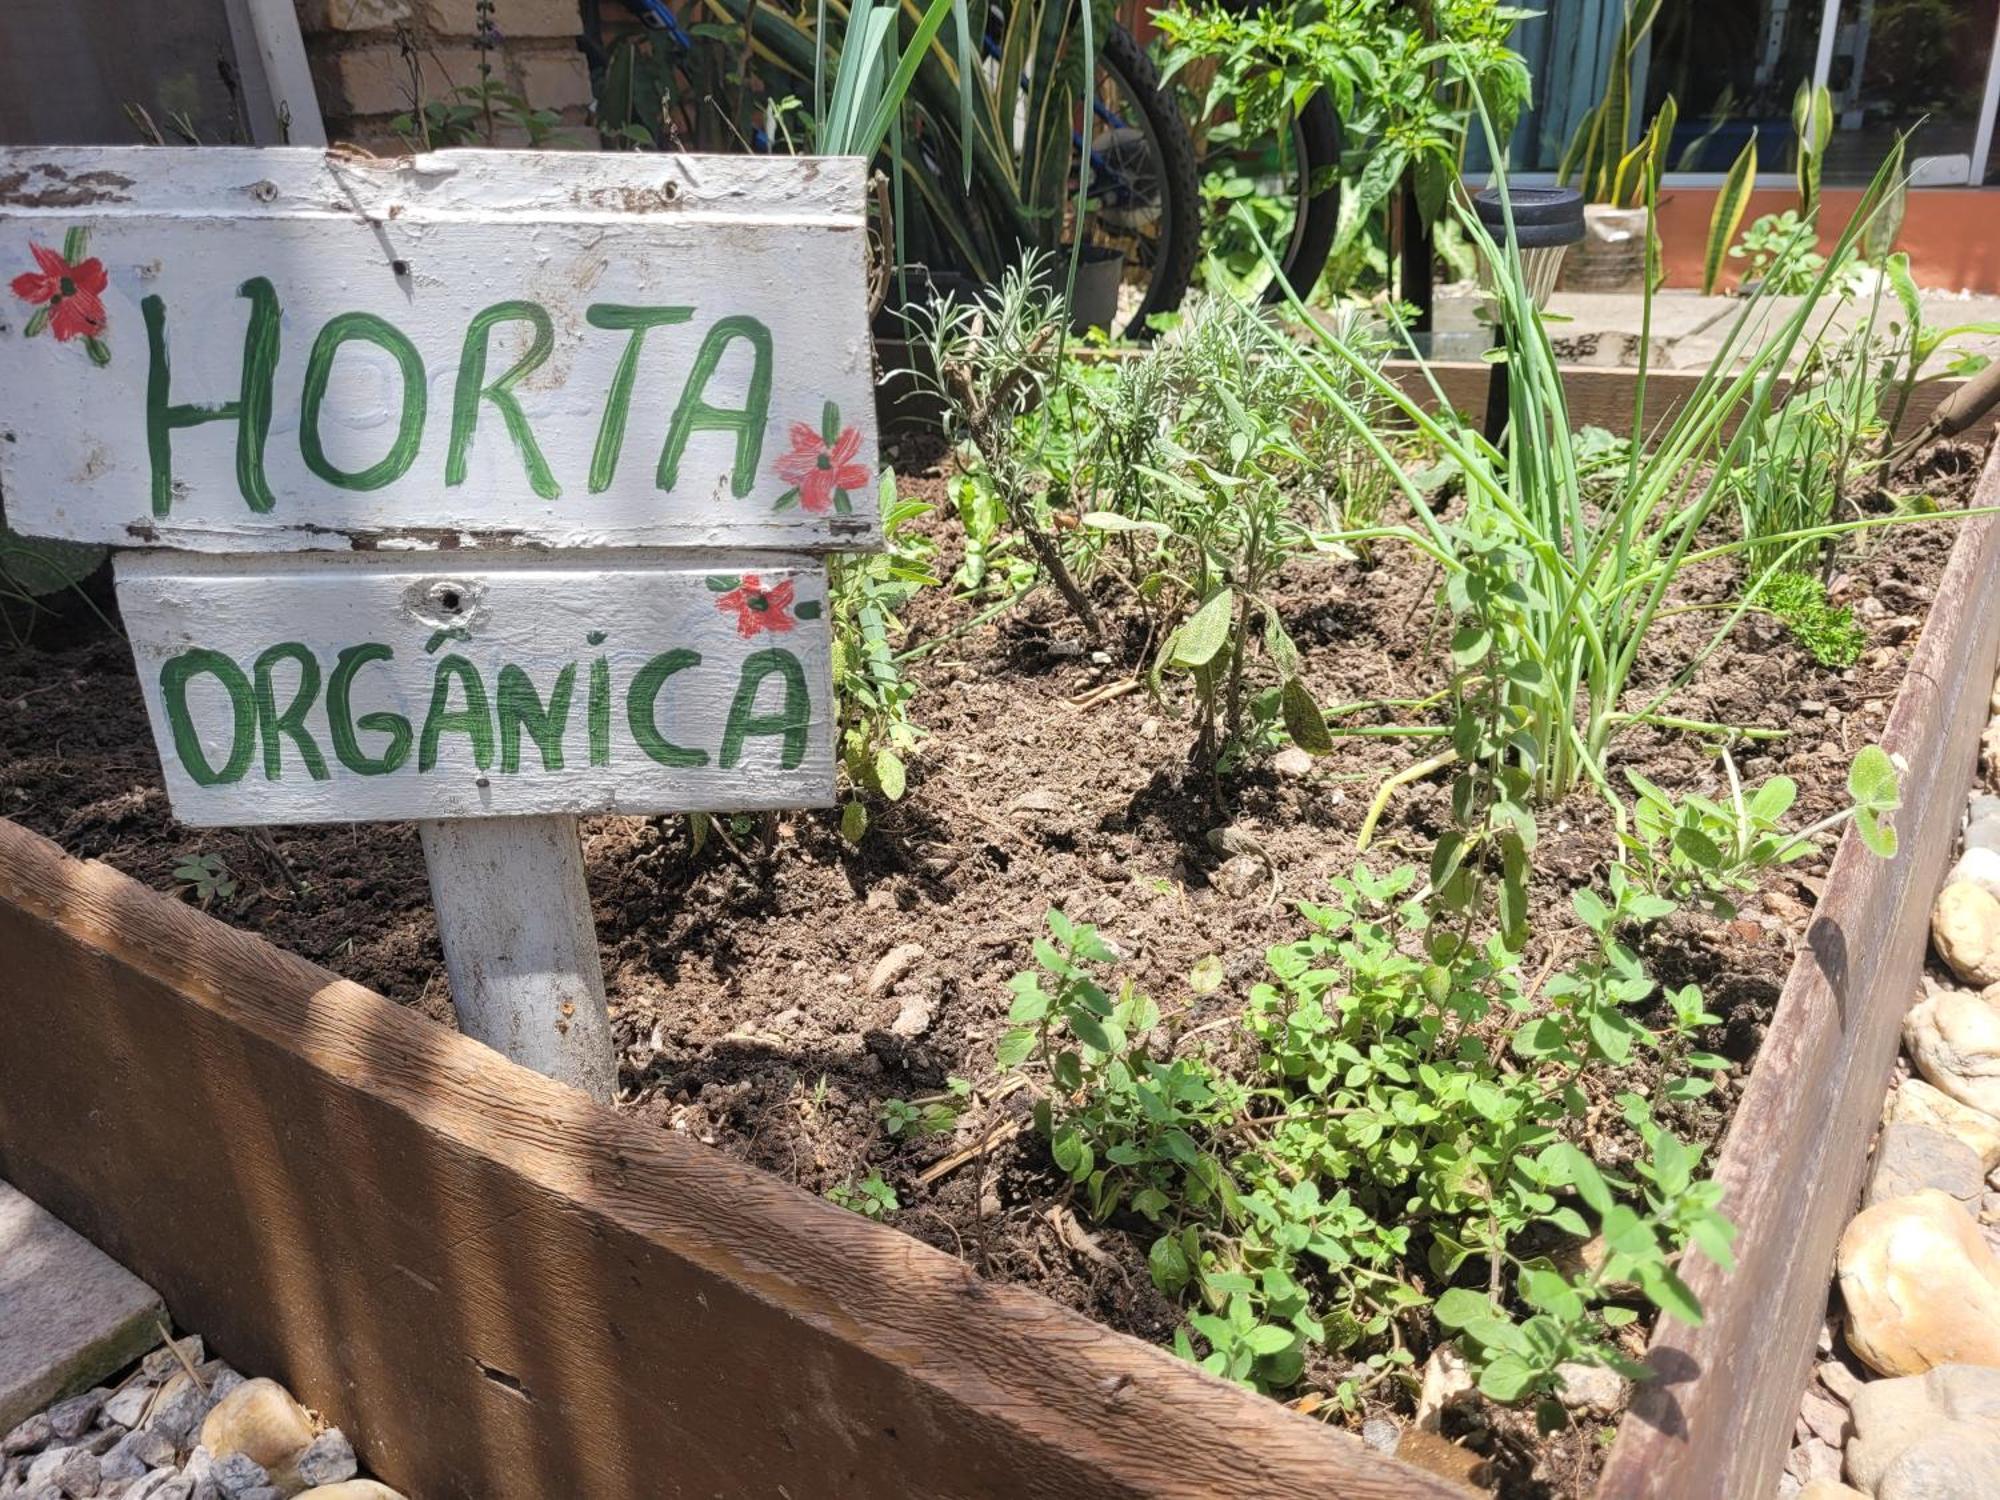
<point x="1287" y="182"/>
<point x="1316" y="144"/>
<point x="1142" y="196"/>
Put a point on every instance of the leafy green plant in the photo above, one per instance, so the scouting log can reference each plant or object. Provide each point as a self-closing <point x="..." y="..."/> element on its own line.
<point x="1694" y="848"/>
<point x="1586" y="577"/>
<point x="868" y="593"/>
<point x="1825" y="629"/>
<point x="1378" y="1132"/>
<point x="1778" y="249"/>
<point x="913" y="1119"/>
<point x="207" y="876"/>
<point x="1915" y="343"/>
<point x="1211" y="468"/>
<point x="1799" y="458"/>
<point x="871" y="1197"/>
<point x="990" y="362"/>
<point x="1402" y="79"/>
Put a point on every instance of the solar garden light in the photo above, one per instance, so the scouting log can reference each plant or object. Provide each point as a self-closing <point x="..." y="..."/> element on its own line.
<point x="1547" y="221"/>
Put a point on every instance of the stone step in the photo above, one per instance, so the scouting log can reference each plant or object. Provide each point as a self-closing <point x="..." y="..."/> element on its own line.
<point x="69" y="1314"/>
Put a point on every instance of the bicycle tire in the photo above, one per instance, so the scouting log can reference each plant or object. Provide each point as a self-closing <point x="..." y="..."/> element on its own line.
<point x="1126" y="61"/>
<point x="1316" y="132"/>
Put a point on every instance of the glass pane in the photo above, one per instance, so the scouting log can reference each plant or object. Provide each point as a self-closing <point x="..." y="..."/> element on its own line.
<point x="1732" y="68"/>
<point x="1731" y="65"/>
<point x="1916" y="65"/>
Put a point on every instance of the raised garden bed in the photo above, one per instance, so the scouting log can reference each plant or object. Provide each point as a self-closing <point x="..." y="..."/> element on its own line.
<point x="498" y="1280"/>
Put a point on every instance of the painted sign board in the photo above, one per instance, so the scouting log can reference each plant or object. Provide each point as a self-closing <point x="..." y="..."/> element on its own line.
<point x="250" y="350"/>
<point x="302" y="689"/>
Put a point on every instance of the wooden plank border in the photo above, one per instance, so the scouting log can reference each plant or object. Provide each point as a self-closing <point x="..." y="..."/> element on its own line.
<point x="1601" y="395"/>
<point x="1716" y="1421"/>
<point x="503" y="1290"/>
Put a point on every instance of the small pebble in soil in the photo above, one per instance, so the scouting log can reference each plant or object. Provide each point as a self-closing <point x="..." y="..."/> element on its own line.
<point x="1381" y="1434"/>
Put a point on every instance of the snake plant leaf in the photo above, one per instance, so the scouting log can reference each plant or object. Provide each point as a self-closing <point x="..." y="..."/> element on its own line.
<point x="1727" y="216"/>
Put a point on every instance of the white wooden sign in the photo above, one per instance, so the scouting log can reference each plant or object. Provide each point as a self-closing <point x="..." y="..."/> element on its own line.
<point x="312" y="690"/>
<point x="248" y="350"/>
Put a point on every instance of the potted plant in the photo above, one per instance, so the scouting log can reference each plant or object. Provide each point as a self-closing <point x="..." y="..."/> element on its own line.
<point x="1618" y="185"/>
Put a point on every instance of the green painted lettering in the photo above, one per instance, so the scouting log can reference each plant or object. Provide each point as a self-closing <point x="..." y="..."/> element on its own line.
<point x="475" y="720"/>
<point x="470" y="391"/>
<point x="341" y="724"/>
<point x="791" y="721"/>
<point x="251" y="409"/>
<point x="521" y="707"/>
<point x="641" y="709"/>
<point x="695" y="414"/>
<point x="611" y="432"/>
<point x="175" y="674"/>
<point x="364" y="328"/>
<point x="271" y="723"/>
<point x="600" y="712"/>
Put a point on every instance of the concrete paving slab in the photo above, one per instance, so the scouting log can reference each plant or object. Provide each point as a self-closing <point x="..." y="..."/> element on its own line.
<point x="69" y="1314"/>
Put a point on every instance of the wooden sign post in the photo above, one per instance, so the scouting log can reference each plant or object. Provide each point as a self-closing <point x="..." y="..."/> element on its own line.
<point x="480" y="489"/>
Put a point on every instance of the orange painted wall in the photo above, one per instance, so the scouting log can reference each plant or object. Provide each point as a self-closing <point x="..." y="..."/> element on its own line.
<point x="1952" y="234"/>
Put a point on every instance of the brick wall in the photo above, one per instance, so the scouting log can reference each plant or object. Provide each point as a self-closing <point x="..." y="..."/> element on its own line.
<point x="371" y="58"/>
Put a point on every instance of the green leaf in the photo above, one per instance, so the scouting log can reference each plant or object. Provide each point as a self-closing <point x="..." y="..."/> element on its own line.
<point x="1872" y="781"/>
<point x="1267" y="1338"/>
<point x="1168" y="1263"/>
<point x="1774" y="799"/>
<point x="1015" y="1048"/>
<point x="1628" y="1234"/>
<point x="1458" y="1306"/>
<point x="1205" y="633"/>
<point x="1031" y="1001"/>
<point x="1727" y="215"/>
<point x="1470" y="645"/>
<point x="1880" y="837"/>
<point x="1506" y="1378"/>
<point x="1303" y="720"/>
<point x="1668" y="1292"/>
<point x="1205" y="978"/>
<point x="1088" y="1028"/>
<point x="1581" y="1173"/>
<point x="1698" y="847"/>
<point x="889" y="774"/>
<point x="853" y="822"/>
<point x="1590" y="909"/>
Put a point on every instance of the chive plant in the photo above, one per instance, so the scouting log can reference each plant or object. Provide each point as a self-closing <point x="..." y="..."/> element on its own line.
<point x="1591" y="573"/>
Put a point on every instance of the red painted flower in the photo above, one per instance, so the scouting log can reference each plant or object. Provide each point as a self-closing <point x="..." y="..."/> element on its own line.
<point x="756" y="607"/>
<point x="817" y="471"/>
<point x="69" y="293"/>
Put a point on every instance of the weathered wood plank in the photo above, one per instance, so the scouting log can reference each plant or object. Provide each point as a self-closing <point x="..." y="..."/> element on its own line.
<point x="1602" y="397"/>
<point x="315" y="689"/>
<point x="506" y="1291"/>
<point x="241" y="350"/>
<point x="1716" y="1422"/>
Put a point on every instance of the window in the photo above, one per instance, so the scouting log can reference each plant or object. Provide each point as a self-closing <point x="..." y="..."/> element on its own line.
<point x="1733" y="66"/>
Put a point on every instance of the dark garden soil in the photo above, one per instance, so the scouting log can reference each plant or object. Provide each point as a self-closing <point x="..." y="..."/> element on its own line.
<point x="748" y="986"/>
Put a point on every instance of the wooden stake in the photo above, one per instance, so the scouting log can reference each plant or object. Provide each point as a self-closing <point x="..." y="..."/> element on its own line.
<point x="520" y="947"/>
